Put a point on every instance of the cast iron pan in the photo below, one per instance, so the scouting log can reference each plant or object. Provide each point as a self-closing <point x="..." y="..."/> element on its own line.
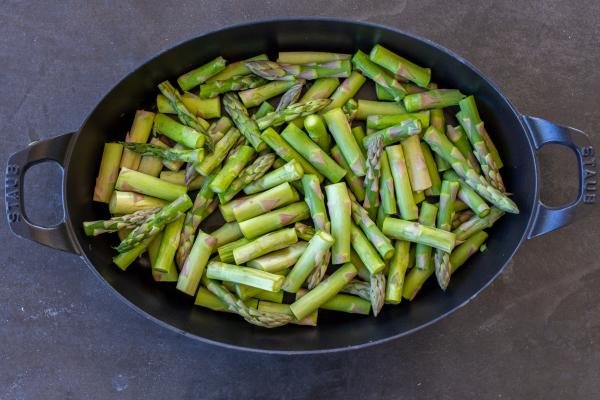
<point x="517" y="136"/>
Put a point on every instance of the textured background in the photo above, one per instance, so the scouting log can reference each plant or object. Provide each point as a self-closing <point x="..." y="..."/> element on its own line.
<point x="535" y="333"/>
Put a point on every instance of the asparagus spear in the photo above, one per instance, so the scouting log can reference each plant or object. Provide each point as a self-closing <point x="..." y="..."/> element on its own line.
<point x="232" y="168"/>
<point x="130" y="202"/>
<point x="130" y="221"/>
<point x="227" y="233"/>
<point x="339" y="207"/>
<point x="415" y="279"/>
<point x="226" y="251"/>
<point x="234" y="304"/>
<point x="321" y="88"/>
<point x="244" y="275"/>
<point x="290" y="97"/>
<point x="372" y="232"/>
<point x="130" y="180"/>
<point x="367" y="108"/>
<point x="253" y="97"/>
<point x="195" y="263"/>
<point x="460" y="255"/>
<point x="279" y="260"/>
<point x="201" y="74"/>
<point x="441" y="259"/>
<point x="204" y="298"/>
<point x="348" y="304"/>
<point x="342" y="134"/>
<point x="291" y="112"/>
<point x="385" y="121"/>
<point x="109" y="170"/>
<point x="374" y="151"/>
<point x="358" y="288"/>
<point x="285" y="151"/>
<point x="366" y="251"/>
<point x="395" y="133"/>
<point x="171" y="275"/>
<point x="297" y="139"/>
<point x="427" y="217"/>
<point x="241" y="119"/>
<point x="379" y="75"/>
<point x="139" y="133"/>
<point x="400" y="66"/>
<point x="273" y="220"/>
<point x="266" y="201"/>
<point x="309" y="57"/>
<point x="355" y="183"/>
<point x="193" y="218"/>
<point x="437" y="98"/>
<point x="323" y="292"/>
<point x="346" y="90"/>
<point x="316" y="203"/>
<point x="444" y="148"/>
<point x="178" y="178"/>
<point x="312" y="258"/>
<point x="184" y="114"/>
<point x="458" y="137"/>
<point x="432" y="170"/>
<point x="289" y="172"/>
<point x="359" y="135"/>
<point x="468" y="195"/>
<point x="215" y="88"/>
<point x="180" y="133"/>
<point x="397" y="271"/>
<point x="284" y="72"/>
<point x="415" y="163"/>
<point x="169" y="153"/>
<point x="219" y="128"/>
<point x="251" y="173"/>
<point x="155" y="223"/>
<point x="236" y="69"/>
<point x="126" y="258"/>
<point x="438" y="121"/>
<point x="213" y="160"/>
<point x="377" y="292"/>
<point x="406" y="203"/>
<point x="315" y="127"/>
<point x="476" y="224"/>
<point x="418" y="233"/>
<point x="263" y="110"/>
<point x="168" y="245"/>
<point x="201" y="107"/>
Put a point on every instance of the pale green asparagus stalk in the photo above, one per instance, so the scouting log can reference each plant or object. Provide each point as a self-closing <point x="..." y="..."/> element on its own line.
<point x="108" y="173"/>
<point x="340" y="212"/>
<point x="346" y="90"/>
<point x="289" y="172"/>
<point x="253" y="97"/>
<point x="379" y="122"/>
<point x="369" y="107"/>
<point x="379" y="75"/>
<point x="195" y="263"/>
<point x="201" y="74"/>
<point x="342" y="134"/>
<point x="400" y="66"/>
<point x="213" y="160"/>
<point x="130" y="180"/>
<point x="273" y="220"/>
<point x="130" y="202"/>
<point x="215" y="88"/>
<point x="355" y="183"/>
<point x="397" y="271"/>
<point x="374" y="152"/>
<point x="279" y="260"/>
<point x="423" y="252"/>
<point x="317" y="131"/>
<point x="139" y="133"/>
<point x="373" y="233"/>
<point x="404" y="195"/>
<point x="312" y="153"/>
<point x="264" y="202"/>
<point x="251" y="173"/>
<point x="244" y="275"/>
<point x="240" y="117"/>
<point x="395" y="133"/>
<point x="418" y="233"/>
<point x="168" y="245"/>
<point x="441" y="259"/>
<point x="312" y="258"/>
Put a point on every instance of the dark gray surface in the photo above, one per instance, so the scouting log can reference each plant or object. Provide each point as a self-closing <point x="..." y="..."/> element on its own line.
<point x="535" y="333"/>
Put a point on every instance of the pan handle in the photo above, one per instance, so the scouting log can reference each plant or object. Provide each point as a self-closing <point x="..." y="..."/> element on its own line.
<point x="53" y="149"/>
<point x="547" y="219"/>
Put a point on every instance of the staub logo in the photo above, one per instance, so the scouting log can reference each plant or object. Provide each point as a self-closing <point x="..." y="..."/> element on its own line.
<point x="13" y="200"/>
<point x="589" y="177"/>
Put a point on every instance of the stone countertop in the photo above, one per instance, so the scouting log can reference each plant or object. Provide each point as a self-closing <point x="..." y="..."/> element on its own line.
<point x="534" y="333"/>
